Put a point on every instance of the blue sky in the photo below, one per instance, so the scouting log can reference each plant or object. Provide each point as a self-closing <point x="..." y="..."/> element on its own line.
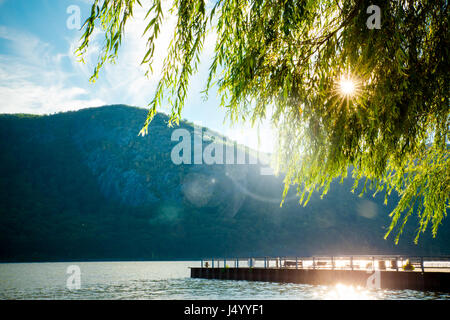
<point x="40" y="74"/>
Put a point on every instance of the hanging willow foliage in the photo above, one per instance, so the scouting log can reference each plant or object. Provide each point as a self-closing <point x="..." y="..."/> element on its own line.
<point x="392" y="131"/>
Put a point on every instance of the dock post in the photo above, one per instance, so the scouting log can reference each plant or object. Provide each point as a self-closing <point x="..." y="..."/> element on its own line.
<point x="314" y="263"/>
<point x="396" y="264"/>
<point x="201" y="263"/>
<point x="303" y="264"/>
<point x="212" y="263"/>
<point x="296" y="262"/>
<point x="351" y="262"/>
<point x="265" y="262"/>
<point x="421" y="264"/>
<point x="332" y="263"/>
<point x="373" y="263"/>
<point x="237" y="263"/>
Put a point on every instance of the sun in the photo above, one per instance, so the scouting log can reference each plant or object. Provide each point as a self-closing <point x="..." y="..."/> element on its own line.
<point x="347" y="89"/>
<point x="347" y="86"/>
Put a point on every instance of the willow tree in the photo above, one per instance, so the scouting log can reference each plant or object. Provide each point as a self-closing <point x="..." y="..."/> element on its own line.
<point x="354" y="86"/>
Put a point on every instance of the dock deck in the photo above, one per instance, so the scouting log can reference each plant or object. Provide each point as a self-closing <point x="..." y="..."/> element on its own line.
<point x="384" y="272"/>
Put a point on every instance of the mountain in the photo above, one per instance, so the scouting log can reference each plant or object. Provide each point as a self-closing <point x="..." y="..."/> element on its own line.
<point x="85" y="186"/>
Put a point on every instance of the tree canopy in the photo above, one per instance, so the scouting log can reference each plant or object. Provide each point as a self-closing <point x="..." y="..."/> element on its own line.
<point x="344" y="95"/>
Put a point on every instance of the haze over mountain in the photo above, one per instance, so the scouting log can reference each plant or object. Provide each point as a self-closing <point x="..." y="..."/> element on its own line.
<point x="84" y="186"/>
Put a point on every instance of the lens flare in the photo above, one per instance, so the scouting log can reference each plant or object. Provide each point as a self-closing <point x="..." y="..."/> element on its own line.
<point x="347" y="87"/>
<point x="347" y="91"/>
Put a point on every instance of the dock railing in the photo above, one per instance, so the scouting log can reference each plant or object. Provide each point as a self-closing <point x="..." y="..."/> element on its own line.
<point x="354" y="262"/>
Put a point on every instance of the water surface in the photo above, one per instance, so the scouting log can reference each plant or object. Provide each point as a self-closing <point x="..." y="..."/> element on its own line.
<point x="165" y="280"/>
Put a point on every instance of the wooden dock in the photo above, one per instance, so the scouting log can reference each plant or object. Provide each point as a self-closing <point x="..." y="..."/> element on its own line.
<point x="383" y="272"/>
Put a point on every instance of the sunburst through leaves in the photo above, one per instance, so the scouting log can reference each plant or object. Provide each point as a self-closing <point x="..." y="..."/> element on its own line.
<point x="347" y="88"/>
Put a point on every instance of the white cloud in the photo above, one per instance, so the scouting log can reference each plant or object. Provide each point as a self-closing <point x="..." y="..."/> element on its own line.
<point x="38" y="78"/>
<point x="127" y="75"/>
<point x="33" y="80"/>
<point x="126" y="78"/>
<point x="27" y="97"/>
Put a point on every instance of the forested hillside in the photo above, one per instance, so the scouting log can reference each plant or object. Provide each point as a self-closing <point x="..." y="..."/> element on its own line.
<point x="84" y="186"/>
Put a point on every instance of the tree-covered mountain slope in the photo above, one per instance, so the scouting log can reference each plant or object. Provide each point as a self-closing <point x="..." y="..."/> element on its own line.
<point x="84" y="186"/>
